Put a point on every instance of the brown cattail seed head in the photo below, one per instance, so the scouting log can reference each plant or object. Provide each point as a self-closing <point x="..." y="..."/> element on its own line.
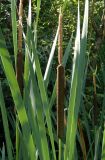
<point x="60" y="101"/>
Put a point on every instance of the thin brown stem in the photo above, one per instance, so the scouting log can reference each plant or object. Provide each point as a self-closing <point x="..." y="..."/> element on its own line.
<point x="95" y="101"/>
<point x="82" y="140"/>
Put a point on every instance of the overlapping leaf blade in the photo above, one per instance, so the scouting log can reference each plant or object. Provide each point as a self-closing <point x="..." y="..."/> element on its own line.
<point x="10" y="74"/>
<point x="5" y="125"/>
<point x="76" y="85"/>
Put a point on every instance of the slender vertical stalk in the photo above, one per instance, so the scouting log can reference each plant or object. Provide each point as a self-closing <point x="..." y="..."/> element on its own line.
<point x="19" y="70"/>
<point x="95" y="102"/>
<point x="19" y="67"/>
<point x="60" y="50"/>
<point x="60" y="84"/>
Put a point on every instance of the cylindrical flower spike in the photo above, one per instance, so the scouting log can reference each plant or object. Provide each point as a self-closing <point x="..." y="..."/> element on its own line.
<point x="60" y="101"/>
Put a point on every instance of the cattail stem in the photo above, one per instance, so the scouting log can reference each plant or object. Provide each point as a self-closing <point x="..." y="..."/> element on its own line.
<point x="60" y="50"/>
<point x="82" y="140"/>
<point x="95" y="102"/>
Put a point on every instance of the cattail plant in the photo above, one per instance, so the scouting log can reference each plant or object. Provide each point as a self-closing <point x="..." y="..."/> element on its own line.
<point x="37" y="132"/>
<point x="19" y="69"/>
<point x="60" y="84"/>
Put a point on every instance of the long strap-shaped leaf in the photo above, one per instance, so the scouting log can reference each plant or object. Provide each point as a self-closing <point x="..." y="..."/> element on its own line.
<point x="36" y="100"/>
<point x="19" y="65"/>
<point x="68" y="147"/>
<point x="10" y="74"/>
<point x="26" y="63"/>
<point x="76" y="85"/>
<point x="5" y="125"/>
<point x="103" y="145"/>
<point x="38" y="110"/>
<point x="36" y="105"/>
<point x="33" y="119"/>
<point x="43" y="93"/>
<point x="50" y="61"/>
<point x="40" y="77"/>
